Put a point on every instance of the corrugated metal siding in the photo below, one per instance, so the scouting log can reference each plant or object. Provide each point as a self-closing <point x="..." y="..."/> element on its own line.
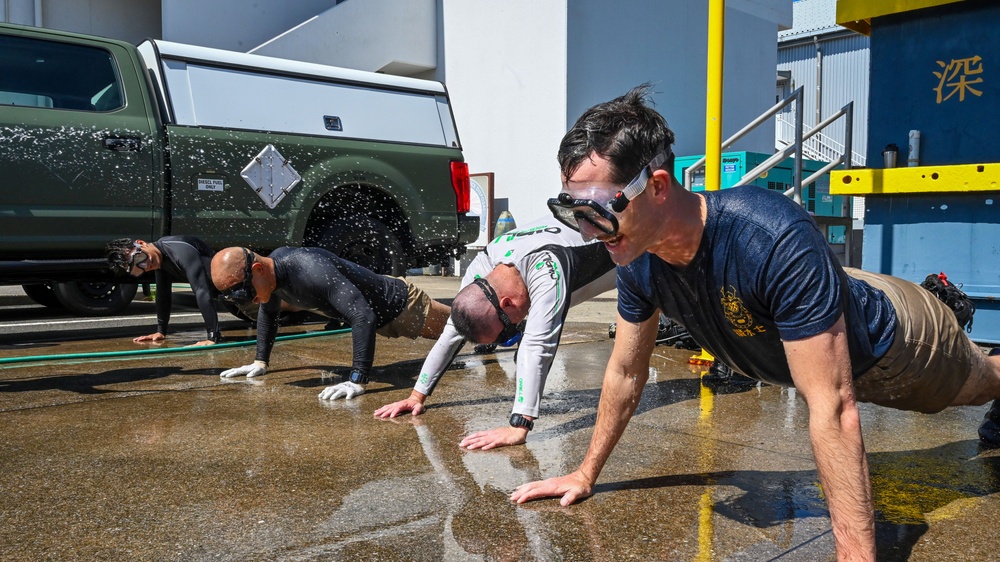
<point x="845" y="78"/>
<point x="846" y="61"/>
<point x="811" y="17"/>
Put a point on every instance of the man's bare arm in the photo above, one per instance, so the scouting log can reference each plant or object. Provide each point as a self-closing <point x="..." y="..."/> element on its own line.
<point x="624" y="379"/>
<point x="821" y="370"/>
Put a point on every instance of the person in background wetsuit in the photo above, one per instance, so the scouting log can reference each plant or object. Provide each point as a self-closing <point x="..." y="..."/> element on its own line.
<point x="183" y="259"/>
<point x="315" y="279"/>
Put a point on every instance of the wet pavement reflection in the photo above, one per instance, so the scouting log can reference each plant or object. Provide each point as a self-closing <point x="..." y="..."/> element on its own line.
<point x="157" y="458"/>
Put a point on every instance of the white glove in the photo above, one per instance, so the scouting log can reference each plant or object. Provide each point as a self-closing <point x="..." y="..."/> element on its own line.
<point x="346" y="390"/>
<point x="255" y="369"/>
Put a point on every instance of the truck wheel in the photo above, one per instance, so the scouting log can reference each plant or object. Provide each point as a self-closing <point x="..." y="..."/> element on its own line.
<point x="366" y="242"/>
<point x="95" y="299"/>
<point x="43" y="294"/>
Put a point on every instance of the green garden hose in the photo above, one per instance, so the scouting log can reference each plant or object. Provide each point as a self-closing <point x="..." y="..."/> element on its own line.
<point x="185" y="349"/>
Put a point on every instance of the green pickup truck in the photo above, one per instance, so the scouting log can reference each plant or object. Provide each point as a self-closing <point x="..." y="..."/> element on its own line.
<point x="101" y="139"/>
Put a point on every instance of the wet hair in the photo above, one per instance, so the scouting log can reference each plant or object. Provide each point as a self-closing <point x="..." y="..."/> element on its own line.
<point x="117" y="252"/>
<point x="626" y="131"/>
<point x="470" y="314"/>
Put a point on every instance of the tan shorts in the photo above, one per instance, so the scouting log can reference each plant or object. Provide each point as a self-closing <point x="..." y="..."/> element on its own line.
<point x="411" y="321"/>
<point x="930" y="358"/>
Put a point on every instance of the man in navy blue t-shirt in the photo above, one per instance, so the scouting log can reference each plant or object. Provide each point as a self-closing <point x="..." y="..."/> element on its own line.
<point x="748" y="273"/>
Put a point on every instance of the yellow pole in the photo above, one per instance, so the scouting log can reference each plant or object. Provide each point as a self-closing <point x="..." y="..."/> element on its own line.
<point x="713" y="181"/>
<point x="713" y="97"/>
<point x="706" y="458"/>
<point x="713" y="112"/>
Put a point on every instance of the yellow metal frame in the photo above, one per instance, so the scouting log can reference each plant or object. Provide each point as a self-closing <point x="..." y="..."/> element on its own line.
<point x="857" y="14"/>
<point x="959" y="178"/>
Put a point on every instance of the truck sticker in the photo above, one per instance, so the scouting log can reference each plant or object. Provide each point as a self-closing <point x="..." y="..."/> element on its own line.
<point x="271" y="176"/>
<point x="208" y="184"/>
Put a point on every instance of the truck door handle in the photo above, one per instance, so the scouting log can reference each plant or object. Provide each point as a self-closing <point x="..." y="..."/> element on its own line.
<point x="123" y="144"/>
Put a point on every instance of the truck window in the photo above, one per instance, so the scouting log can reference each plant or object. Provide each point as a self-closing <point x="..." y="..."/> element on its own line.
<point x="39" y="73"/>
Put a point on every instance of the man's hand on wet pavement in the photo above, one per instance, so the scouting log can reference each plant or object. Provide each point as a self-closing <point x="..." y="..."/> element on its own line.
<point x="498" y="437"/>
<point x="151" y="338"/>
<point x="572" y="487"/>
<point x="414" y="403"/>
<point x="401" y="407"/>
<point x="346" y="390"/>
<point x="255" y="369"/>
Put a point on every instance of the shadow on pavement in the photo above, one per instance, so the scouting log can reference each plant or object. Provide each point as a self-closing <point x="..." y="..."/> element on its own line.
<point x="907" y="486"/>
<point x="88" y="383"/>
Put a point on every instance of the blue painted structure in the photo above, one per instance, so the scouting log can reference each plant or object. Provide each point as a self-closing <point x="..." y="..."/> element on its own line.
<point x="937" y="70"/>
<point x="911" y="236"/>
<point x="907" y="49"/>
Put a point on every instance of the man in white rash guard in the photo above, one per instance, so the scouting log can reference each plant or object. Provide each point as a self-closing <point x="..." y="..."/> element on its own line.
<point x="533" y="274"/>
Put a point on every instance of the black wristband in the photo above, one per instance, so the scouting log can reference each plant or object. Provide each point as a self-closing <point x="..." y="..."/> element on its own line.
<point x="517" y="420"/>
<point x="358" y="376"/>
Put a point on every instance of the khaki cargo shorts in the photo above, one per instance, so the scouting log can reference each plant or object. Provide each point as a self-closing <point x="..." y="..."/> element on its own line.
<point x="930" y="358"/>
<point x="411" y="321"/>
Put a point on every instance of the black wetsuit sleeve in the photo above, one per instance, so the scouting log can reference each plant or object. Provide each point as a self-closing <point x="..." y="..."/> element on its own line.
<point x="267" y="327"/>
<point x="352" y="306"/>
<point x="186" y="259"/>
<point x="205" y="296"/>
<point x="314" y="279"/>
<point x="164" y="300"/>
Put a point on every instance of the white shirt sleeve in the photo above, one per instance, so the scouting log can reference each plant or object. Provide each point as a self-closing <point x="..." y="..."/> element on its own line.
<point x="450" y="342"/>
<point x="548" y="290"/>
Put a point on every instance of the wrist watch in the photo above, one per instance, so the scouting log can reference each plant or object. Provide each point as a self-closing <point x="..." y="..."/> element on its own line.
<point x="517" y="420"/>
<point x="358" y="376"/>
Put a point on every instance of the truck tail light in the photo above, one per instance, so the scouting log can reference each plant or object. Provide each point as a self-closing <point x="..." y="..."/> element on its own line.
<point x="460" y="183"/>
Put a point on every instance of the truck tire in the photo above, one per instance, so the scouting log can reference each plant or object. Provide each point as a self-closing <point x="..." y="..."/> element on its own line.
<point x="100" y="298"/>
<point x="366" y="242"/>
<point x="43" y="294"/>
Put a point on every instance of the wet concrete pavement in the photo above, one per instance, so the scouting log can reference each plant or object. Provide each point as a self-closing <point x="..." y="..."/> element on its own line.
<point x="157" y="458"/>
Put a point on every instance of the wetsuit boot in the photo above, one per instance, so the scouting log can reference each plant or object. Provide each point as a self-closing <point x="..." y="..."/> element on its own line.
<point x="989" y="430"/>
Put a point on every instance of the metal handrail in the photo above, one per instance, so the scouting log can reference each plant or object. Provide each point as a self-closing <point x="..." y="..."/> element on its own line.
<point x="796" y="147"/>
<point x="796" y="190"/>
<point x="794" y="96"/>
<point x="823" y="146"/>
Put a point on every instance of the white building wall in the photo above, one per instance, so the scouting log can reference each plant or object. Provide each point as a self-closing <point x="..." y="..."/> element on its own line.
<point x="614" y="46"/>
<point x="129" y="20"/>
<point x="845" y="79"/>
<point x="236" y="25"/>
<point x="519" y="71"/>
<point x="505" y="68"/>
<point x="388" y="36"/>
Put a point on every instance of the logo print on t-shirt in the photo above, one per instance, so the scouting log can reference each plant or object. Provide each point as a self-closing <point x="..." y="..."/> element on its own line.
<point x="738" y="315"/>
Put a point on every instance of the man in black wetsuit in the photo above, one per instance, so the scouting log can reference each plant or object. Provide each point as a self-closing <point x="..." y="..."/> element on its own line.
<point x="173" y="259"/>
<point x="317" y="280"/>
